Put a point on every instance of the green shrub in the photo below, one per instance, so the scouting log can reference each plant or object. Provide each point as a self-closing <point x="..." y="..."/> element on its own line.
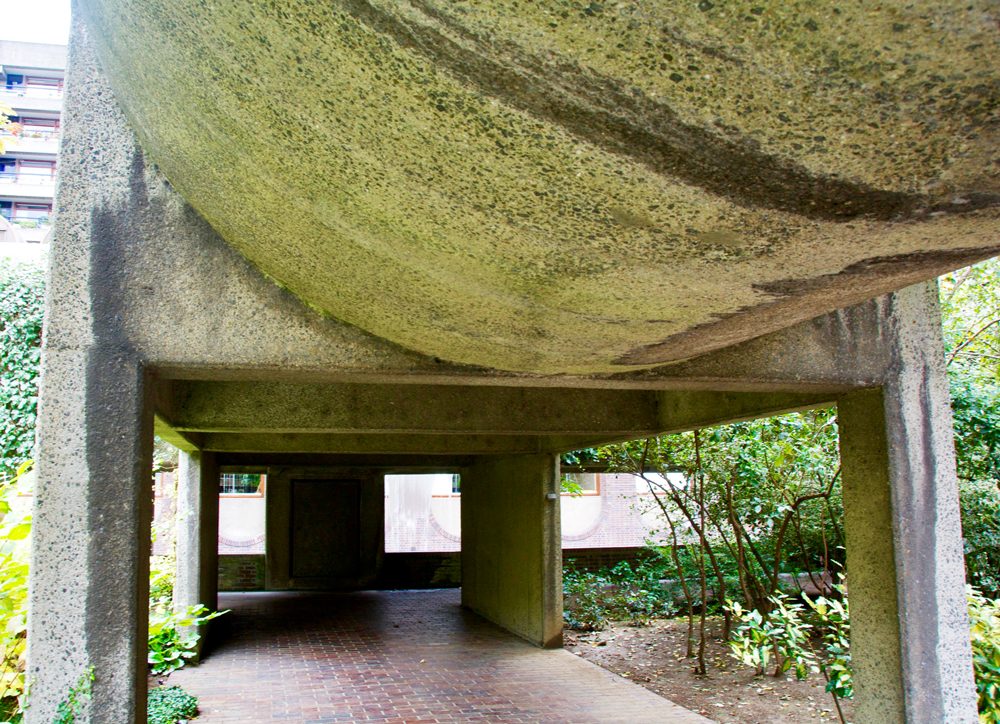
<point x="22" y="291"/>
<point x="617" y="594"/>
<point x="170" y="705"/>
<point x="985" y="618"/>
<point x="170" y="646"/>
<point x="780" y="637"/>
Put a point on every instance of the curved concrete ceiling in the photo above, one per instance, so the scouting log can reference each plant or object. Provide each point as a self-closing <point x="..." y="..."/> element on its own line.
<point x="560" y="186"/>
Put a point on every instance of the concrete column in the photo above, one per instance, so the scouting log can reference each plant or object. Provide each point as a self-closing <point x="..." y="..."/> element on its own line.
<point x="909" y="618"/>
<point x="197" y="532"/>
<point x="511" y="545"/>
<point x="89" y="586"/>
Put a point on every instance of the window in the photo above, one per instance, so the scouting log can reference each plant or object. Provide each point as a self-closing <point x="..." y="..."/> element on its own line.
<point x="588" y="482"/>
<point x="242" y="484"/>
<point x="446" y="486"/>
<point x="31" y="215"/>
<point x="43" y="87"/>
<point x="38" y="127"/>
<point x="44" y="171"/>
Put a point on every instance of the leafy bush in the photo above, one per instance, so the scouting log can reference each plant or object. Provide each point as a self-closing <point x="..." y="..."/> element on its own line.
<point x="781" y="636"/>
<point x="620" y="594"/>
<point x="170" y="645"/>
<point x="833" y="620"/>
<point x="980" y="500"/>
<point x="985" y="618"/>
<point x="786" y="632"/>
<point x="22" y="292"/>
<point x="169" y="705"/>
<point x="14" y="530"/>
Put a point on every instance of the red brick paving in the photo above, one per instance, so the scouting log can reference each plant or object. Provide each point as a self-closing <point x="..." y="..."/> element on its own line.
<point x="400" y="657"/>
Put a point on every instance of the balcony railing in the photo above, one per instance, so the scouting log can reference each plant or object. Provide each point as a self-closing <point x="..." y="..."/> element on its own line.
<point x="39" y="178"/>
<point x="31" y="133"/>
<point x="32" y="91"/>
<point x="29" y="222"/>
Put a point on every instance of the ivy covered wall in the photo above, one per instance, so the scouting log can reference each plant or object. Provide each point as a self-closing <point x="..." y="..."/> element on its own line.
<point x="22" y="291"/>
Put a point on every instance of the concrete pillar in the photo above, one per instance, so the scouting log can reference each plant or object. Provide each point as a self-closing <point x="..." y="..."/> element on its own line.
<point x="197" y="532"/>
<point x="909" y="618"/>
<point x="511" y="545"/>
<point x="89" y="586"/>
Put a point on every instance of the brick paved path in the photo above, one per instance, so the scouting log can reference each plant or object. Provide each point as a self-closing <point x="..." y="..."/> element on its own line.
<point x="404" y="657"/>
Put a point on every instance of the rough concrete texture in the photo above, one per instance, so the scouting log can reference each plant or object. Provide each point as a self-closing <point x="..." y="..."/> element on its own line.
<point x="424" y="419"/>
<point x="197" y="532"/>
<point x="167" y="269"/>
<point x="511" y="545"/>
<point x="911" y="651"/>
<point x="556" y="188"/>
<point x="868" y="516"/>
<point x="88" y="602"/>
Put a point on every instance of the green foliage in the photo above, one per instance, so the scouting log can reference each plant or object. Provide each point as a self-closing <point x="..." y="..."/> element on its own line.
<point x="772" y="497"/>
<point x="173" y="636"/>
<point x="617" y="594"/>
<point x="970" y="306"/>
<point x="784" y="635"/>
<point x="169" y="705"/>
<point x="570" y="487"/>
<point x="22" y="291"/>
<point x="980" y="501"/>
<point x="985" y="617"/>
<point x="780" y="636"/>
<point x="832" y="619"/>
<point x="70" y="706"/>
<point x="14" y="531"/>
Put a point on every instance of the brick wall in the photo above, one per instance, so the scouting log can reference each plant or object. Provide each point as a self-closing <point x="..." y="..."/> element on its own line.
<point x="241" y="573"/>
<point x="420" y="570"/>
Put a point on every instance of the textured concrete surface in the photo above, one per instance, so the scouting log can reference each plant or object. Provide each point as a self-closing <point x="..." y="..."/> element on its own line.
<point x="553" y="188"/>
<point x="511" y="545"/>
<point x="909" y="616"/>
<point x="166" y="267"/>
<point x="197" y="531"/>
<point x="400" y="658"/>
<point x="88" y="602"/>
<point x="142" y="287"/>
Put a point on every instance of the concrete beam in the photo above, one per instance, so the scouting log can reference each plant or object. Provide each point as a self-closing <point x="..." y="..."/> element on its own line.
<point x="189" y="442"/>
<point x="279" y="407"/>
<point x="374" y="443"/>
<point x="295" y="417"/>
<point x="259" y="462"/>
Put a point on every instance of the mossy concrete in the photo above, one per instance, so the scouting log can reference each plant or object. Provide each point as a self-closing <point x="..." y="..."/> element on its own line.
<point x="564" y="187"/>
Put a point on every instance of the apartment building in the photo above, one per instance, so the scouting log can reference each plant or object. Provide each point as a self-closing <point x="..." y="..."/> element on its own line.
<point x="31" y="85"/>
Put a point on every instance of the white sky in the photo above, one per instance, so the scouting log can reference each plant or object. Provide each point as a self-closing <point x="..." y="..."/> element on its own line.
<point x="35" y="21"/>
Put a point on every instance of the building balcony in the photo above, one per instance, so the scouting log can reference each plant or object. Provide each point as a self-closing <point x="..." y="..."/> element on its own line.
<point x="26" y="101"/>
<point x="33" y="142"/>
<point x="25" y="229"/>
<point x="26" y="185"/>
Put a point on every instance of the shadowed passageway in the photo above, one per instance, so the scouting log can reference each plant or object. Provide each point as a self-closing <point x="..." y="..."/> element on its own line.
<point x="399" y="657"/>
